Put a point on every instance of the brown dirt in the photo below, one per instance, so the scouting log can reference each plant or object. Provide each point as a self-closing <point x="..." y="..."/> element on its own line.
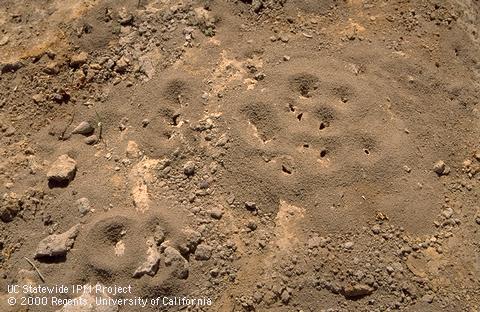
<point x="281" y="154"/>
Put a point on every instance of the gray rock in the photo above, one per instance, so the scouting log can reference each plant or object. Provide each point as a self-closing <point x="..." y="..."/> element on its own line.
<point x="62" y="170"/>
<point x="174" y="259"/>
<point x="57" y="245"/>
<point x="145" y="122"/>
<point x="285" y="296"/>
<point x="251" y="225"/>
<point x="192" y="239"/>
<point x="126" y="18"/>
<point x="214" y="272"/>
<point x="109" y="64"/>
<point x="389" y="269"/>
<point x="203" y="184"/>
<point x="257" y="5"/>
<point x="447" y="213"/>
<point x="203" y="252"/>
<point x="84" y="128"/>
<point x="440" y="168"/>
<point x="90" y="140"/>
<point x="251" y="206"/>
<point x="314" y="242"/>
<point x="348" y="245"/>
<point x="231" y="199"/>
<point x="216" y="214"/>
<point x="189" y="168"/>
<point x="223" y="140"/>
<point x="284" y="38"/>
<point x="83" y="205"/>
<point x="158" y="235"/>
<point x="428" y="298"/>
<point x="259" y="76"/>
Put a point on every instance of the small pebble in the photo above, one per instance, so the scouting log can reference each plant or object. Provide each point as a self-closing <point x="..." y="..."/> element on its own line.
<point x="348" y="245"/>
<point x="376" y="229"/>
<point x="251" y="206"/>
<point x="203" y="252"/>
<point x="216" y="214"/>
<point x="189" y="168"/>
<point x="90" y="140"/>
<point x="84" y="128"/>
<point x="440" y="168"/>
<point x="83" y="205"/>
<point x="251" y="225"/>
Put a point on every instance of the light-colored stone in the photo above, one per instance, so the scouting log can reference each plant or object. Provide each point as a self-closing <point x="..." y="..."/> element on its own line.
<point x="440" y="168"/>
<point x="62" y="170"/>
<point x="83" y="128"/>
<point x="119" y="248"/>
<point x="79" y="59"/>
<point x="141" y="177"/>
<point x="57" y="245"/>
<point x="150" y="266"/>
<point x="132" y="150"/>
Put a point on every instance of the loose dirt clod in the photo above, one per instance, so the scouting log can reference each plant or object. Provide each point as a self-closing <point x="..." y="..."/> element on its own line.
<point x="357" y="290"/>
<point x="78" y="59"/>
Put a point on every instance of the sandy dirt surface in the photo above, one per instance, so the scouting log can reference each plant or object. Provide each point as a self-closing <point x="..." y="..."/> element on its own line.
<point x="239" y="155"/>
